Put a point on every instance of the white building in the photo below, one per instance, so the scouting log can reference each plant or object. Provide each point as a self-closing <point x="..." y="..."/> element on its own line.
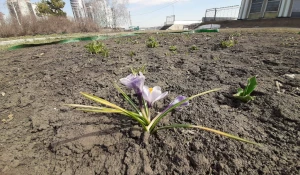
<point x="256" y="9"/>
<point x="19" y="8"/>
<point x="78" y="8"/>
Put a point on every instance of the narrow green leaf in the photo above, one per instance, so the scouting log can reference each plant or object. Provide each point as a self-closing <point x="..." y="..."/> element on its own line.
<point x="127" y="98"/>
<point x="206" y="129"/>
<point x="146" y="107"/>
<point x="160" y="116"/>
<point x="130" y="114"/>
<point x="84" y="106"/>
<point x="110" y="110"/>
<point x="101" y="101"/>
<point x="106" y="110"/>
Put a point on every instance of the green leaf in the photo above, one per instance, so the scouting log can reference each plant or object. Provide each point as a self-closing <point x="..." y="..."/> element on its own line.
<point x="160" y="116"/>
<point x="244" y="95"/>
<point x="130" y="114"/>
<point x="104" y="110"/>
<point x="146" y="107"/>
<point x="244" y="99"/>
<point x="240" y="91"/>
<point x="84" y="106"/>
<point x="127" y="98"/>
<point x="206" y="129"/>
<point x="250" y="86"/>
<point x="102" y="101"/>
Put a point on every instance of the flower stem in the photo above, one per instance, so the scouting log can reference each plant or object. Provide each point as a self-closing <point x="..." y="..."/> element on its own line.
<point x="149" y="116"/>
<point x="145" y="115"/>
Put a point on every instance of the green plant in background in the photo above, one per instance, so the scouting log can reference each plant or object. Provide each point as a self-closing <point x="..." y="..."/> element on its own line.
<point x="117" y="41"/>
<point x="193" y="47"/>
<point x="142" y="113"/>
<point x="152" y="43"/>
<point x="236" y="34"/>
<point x="97" y="47"/>
<point x="135" y="71"/>
<point x="299" y="33"/>
<point x="228" y="43"/>
<point x="132" y="53"/>
<point x="173" y="49"/>
<point x="245" y="94"/>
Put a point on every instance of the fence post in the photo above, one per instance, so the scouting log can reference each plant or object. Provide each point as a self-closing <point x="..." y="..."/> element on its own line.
<point x="215" y="14"/>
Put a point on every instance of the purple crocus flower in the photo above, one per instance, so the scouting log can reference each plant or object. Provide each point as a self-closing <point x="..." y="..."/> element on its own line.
<point x="177" y="100"/>
<point x="135" y="82"/>
<point x="151" y="95"/>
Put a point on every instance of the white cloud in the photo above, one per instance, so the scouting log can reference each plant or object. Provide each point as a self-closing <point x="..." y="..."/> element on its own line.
<point x="153" y="2"/>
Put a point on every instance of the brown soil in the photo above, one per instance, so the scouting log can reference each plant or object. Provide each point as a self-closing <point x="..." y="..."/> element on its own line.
<point x="46" y="137"/>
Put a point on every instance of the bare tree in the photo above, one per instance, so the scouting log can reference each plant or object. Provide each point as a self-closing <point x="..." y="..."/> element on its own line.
<point x="120" y="13"/>
<point x="1" y="18"/>
<point x="108" y="13"/>
<point x="99" y="12"/>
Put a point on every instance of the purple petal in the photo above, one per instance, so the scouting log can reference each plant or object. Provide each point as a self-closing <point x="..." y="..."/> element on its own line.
<point x="177" y="100"/>
<point x="135" y="82"/>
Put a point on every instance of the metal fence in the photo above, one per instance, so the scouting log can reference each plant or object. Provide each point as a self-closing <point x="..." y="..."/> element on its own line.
<point x="222" y="14"/>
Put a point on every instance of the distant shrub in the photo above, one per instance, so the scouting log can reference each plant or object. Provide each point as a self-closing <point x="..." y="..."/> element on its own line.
<point x="152" y="43"/>
<point x="97" y="47"/>
<point x="31" y="25"/>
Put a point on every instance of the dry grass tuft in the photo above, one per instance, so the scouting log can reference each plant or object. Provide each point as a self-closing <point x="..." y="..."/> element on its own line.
<point x="46" y="26"/>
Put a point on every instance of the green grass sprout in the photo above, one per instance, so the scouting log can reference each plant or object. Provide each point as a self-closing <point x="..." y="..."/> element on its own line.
<point x="97" y="47"/>
<point x="173" y="49"/>
<point x="193" y="47"/>
<point x="245" y="94"/>
<point x="228" y="43"/>
<point x="131" y="54"/>
<point x="236" y="34"/>
<point x="135" y="71"/>
<point x="152" y="42"/>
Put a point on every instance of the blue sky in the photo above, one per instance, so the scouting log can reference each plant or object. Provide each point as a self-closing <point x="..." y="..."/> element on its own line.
<point x="146" y="13"/>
